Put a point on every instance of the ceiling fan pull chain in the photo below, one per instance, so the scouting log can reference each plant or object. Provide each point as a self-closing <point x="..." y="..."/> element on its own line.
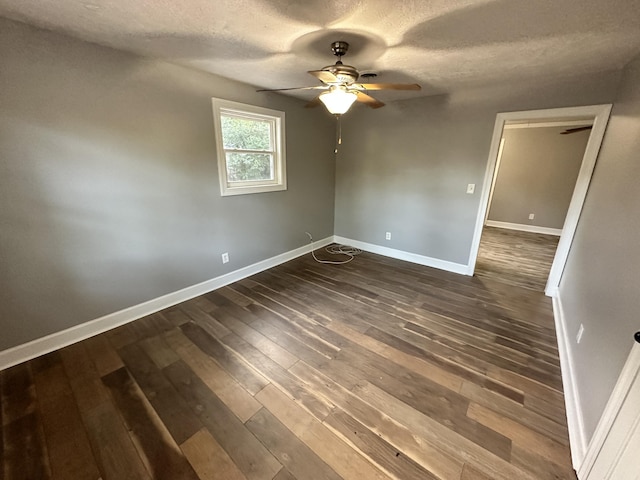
<point x="338" y="133"/>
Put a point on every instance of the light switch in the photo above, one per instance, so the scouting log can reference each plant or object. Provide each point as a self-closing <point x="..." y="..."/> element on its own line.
<point x="471" y="188"/>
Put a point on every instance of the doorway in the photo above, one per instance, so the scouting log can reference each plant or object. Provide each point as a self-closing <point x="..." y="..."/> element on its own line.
<point x="599" y="115"/>
<point x="535" y="175"/>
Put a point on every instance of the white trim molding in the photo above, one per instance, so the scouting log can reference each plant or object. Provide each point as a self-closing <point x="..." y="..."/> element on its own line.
<point x="559" y="123"/>
<point x="524" y="228"/>
<point x="407" y="256"/>
<point x="573" y="406"/>
<point x="618" y="424"/>
<point x="41" y="346"/>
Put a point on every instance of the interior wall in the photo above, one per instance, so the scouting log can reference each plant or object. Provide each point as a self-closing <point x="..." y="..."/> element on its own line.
<point x="538" y="172"/>
<point x="404" y="168"/>
<point x="601" y="281"/>
<point x="109" y="194"/>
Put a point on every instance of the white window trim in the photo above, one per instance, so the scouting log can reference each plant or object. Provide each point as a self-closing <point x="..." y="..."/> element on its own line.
<point x="279" y="182"/>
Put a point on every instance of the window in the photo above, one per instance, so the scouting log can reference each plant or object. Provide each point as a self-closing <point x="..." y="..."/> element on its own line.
<point x="251" y="153"/>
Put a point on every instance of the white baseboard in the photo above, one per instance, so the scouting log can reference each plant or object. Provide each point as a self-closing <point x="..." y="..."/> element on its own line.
<point x="617" y="422"/>
<point x="524" y="228"/>
<point x="575" y="423"/>
<point x="407" y="256"/>
<point x="41" y="346"/>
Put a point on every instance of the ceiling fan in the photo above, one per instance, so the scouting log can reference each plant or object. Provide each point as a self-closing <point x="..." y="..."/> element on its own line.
<point x="569" y="131"/>
<point x="341" y="87"/>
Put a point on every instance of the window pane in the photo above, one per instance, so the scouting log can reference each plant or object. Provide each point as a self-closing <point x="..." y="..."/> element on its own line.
<point x="245" y="134"/>
<point x="243" y="167"/>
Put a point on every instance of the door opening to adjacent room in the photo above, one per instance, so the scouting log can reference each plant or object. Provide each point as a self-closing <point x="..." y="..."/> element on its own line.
<point x="530" y="213"/>
<point x="535" y="175"/>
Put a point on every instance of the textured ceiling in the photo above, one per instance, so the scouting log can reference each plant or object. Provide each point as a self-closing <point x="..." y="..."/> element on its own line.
<point x="445" y="45"/>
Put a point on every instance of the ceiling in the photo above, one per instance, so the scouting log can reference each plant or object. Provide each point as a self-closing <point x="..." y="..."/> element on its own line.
<point x="445" y="45"/>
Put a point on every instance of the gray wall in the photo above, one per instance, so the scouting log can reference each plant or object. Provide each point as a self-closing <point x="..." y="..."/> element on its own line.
<point x="405" y="168"/>
<point x="109" y="193"/>
<point x="601" y="282"/>
<point x="537" y="174"/>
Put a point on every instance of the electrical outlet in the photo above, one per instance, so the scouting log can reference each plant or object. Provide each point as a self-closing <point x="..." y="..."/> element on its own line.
<point x="225" y="257"/>
<point x="532" y="216"/>
<point x="580" y="333"/>
<point x="471" y="188"/>
<point x="388" y="236"/>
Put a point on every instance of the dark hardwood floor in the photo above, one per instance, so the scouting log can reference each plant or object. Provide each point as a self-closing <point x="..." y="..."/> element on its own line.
<point x="372" y="370"/>
<point x="518" y="258"/>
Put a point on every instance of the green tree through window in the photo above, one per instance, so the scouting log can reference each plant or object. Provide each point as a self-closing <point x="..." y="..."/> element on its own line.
<point x="242" y="134"/>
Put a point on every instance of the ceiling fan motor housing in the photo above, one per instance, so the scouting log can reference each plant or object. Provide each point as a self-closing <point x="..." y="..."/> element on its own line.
<point x="339" y="48"/>
<point x="344" y="73"/>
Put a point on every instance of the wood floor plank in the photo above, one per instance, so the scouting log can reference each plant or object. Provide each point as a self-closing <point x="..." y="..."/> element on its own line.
<point x="550" y="407"/>
<point x="276" y="374"/>
<point x="70" y="454"/>
<point x="175" y="316"/>
<point x="469" y="355"/>
<point x="158" y="351"/>
<point x="266" y="322"/>
<point x="294" y="455"/>
<point x="517" y="412"/>
<point x="527" y="459"/>
<point x="283" y="318"/>
<point x="157" y="449"/>
<point x="234" y="396"/>
<point x="284" y="303"/>
<point x="284" y="474"/>
<point x="470" y="473"/>
<point x="18" y="393"/>
<point x="104" y="356"/>
<point x="25" y="451"/>
<point x="340" y="456"/>
<point x="112" y="447"/>
<point x="519" y="434"/>
<point x="87" y="387"/>
<point x="121" y="336"/>
<point x="271" y="349"/>
<point x="375" y="448"/>
<point x="251" y="457"/>
<point x="425" y="453"/>
<point x="451" y="442"/>
<point x="204" y="320"/>
<point x="176" y="415"/>
<point x="448" y="361"/>
<point x="427" y="397"/>
<point x="246" y="376"/>
<point x="144" y="327"/>
<point x="209" y="459"/>
<point x="413" y="362"/>
<point x="234" y="297"/>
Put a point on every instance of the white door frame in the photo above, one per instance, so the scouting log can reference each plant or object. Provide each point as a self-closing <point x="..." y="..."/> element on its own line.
<point x="600" y="114"/>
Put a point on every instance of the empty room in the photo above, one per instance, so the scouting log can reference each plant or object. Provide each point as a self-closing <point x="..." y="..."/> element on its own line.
<point x="276" y="240"/>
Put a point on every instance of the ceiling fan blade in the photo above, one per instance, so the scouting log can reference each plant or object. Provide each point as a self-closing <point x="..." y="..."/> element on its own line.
<point x="313" y="103"/>
<point x="575" y="130"/>
<point x="317" y="87"/>
<point x="389" y="86"/>
<point x="324" y="76"/>
<point x="367" y="100"/>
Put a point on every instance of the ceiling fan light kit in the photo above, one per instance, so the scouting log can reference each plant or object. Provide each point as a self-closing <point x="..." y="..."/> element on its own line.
<point x="341" y="90"/>
<point x="338" y="100"/>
